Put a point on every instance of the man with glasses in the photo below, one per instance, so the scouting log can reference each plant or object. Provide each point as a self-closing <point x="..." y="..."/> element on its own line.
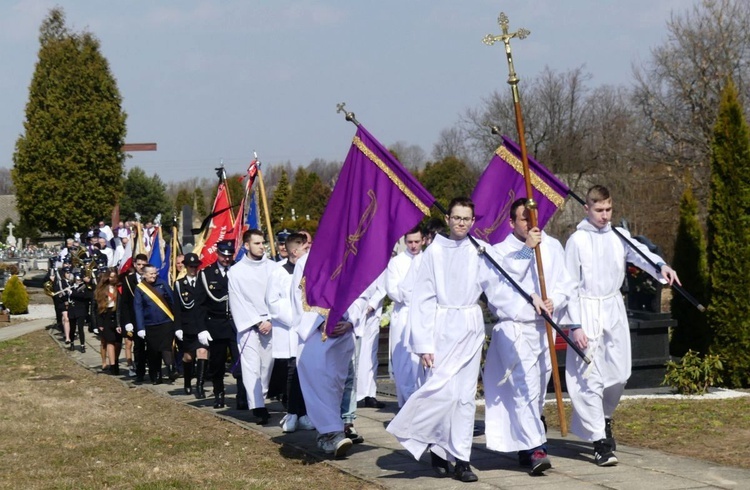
<point x="127" y="317"/>
<point x="447" y="333"/>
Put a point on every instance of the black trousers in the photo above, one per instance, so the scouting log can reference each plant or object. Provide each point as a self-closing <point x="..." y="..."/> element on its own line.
<point x="295" y="400"/>
<point x="217" y="362"/>
<point x="139" y="356"/>
<point x="78" y="323"/>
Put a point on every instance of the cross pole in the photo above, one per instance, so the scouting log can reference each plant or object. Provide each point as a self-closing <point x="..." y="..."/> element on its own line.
<point x="125" y="148"/>
<point x="531" y="204"/>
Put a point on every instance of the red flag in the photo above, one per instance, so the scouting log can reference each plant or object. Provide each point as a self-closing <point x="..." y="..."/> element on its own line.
<point x="221" y="228"/>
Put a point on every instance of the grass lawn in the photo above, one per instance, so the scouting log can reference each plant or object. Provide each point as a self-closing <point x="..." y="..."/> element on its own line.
<point x="66" y="427"/>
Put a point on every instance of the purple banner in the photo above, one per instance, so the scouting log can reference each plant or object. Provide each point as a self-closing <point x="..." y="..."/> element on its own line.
<point x="374" y="203"/>
<point x="502" y="183"/>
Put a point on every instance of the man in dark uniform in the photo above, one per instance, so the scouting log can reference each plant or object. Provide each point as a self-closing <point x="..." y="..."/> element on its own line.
<point x="189" y="323"/>
<point x="212" y="294"/>
<point x="127" y="315"/>
<point x="281" y="237"/>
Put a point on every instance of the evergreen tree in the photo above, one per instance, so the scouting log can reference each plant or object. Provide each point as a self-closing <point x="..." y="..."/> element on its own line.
<point x="690" y="260"/>
<point x="68" y="163"/>
<point x="280" y="201"/>
<point x="183" y="198"/>
<point x="448" y="178"/>
<point x="199" y="203"/>
<point x="299" y="193"/>
<point x="729" y="240"/>
<point x="146" y="196"/>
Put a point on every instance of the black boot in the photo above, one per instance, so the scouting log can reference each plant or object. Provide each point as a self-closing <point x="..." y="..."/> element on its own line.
<point x="241" y="395"/>
<point x="218" y="399"/>
<point x="218" y="383"/>
<point x="464" y="473"/>
<point x="200" y="375"/>
<point x="114" y="369"/>
<point x="187" y="370"/>
<point x="440" y="466"/>
<point x="262" y="414"/>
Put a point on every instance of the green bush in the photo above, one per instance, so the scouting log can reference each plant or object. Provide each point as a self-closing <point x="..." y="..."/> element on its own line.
<point x="15" y="297"/>
<point x="693" y="375"/>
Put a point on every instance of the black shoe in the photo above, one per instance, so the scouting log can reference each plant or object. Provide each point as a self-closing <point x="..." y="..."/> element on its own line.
<point x="351" y="433"/>
<point x="83" y="349"/>
<point x="540" y="462"/>
<point x="262" y="415"/>
<point x="173" y="374"/>
<point x="242" y="404"/>
<point x="71" y="346"/>
<point x="603" y="453"/>
<point x="200" y="375"/>
<point x="464" y="473"/>
<point x="219" y="400"/>
<point x="138" y="379"/>
<point x="440" y="466"/>
<point x="157" y="381"/>
<point x="372" y="402"/>
<point x="200" y="393"/>
<point x="114" y="369"/>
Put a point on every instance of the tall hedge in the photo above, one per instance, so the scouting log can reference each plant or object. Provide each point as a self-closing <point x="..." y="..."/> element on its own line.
<point x="15" y="296"/>
<point x="729" y="240"/>
<point x="690" y="262"/>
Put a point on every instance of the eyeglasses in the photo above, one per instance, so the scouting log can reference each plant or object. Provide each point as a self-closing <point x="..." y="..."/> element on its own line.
<point x="462" y="219"/>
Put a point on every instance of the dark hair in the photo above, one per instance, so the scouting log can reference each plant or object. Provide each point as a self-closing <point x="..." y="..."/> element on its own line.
<point x="296" y="239"/>
<point x="416" y="229"/>
<point x="142" y="257"/>
<point x="433" y="227"/>
<point x="521" y="201"/>
<point x="461" y="201"/>
<point x="252" y="231"/>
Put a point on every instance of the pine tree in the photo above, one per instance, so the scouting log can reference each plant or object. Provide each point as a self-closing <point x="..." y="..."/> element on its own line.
<point x="68" y="163"/>
<point x="146" y="196"/>
<point x="280" y="202"/>
<point x="729" y="240"/>
<point x="200" y="203"/>
<point x="690" y="260"/>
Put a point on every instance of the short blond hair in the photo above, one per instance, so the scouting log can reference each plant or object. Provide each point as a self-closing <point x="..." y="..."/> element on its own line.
<point x="597" y="193"/>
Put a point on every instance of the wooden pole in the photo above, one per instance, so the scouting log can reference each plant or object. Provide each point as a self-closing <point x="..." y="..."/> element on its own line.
<point x="531" y="203"/>
<point x="264" y="201"/>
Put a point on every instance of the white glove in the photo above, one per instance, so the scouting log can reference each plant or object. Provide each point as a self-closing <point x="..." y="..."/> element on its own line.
<point x="129" y="327"/>
<point x="142" y="334"/>
<point x="204" y="337"/>
<point x="178" y="334"/>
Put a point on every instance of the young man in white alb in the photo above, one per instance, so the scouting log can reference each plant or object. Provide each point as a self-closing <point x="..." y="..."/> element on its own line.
<point x="596" y="257"/>
<point x="404" y="362"/>
<point x="517" y="369"/>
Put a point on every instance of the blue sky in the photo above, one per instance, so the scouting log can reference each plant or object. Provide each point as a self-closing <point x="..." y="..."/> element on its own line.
<point x="212" y="80"/>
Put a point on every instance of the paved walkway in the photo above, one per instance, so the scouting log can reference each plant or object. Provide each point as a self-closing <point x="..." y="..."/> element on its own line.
<point x="381" y="460"/>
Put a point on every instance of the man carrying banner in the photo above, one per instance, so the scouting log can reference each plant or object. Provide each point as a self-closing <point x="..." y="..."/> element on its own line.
<point x="155" y="322"/>
<point x="248" y="281"/>
<point x="447" y="332"/>
<point x="405" y="362"/>
<point x="517" y="369"/>
<point x="596" y="257"/>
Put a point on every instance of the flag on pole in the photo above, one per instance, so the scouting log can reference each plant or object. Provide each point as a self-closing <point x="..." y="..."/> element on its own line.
<point x="159" y="258"/>
<point x="374" y="203"/>
<point x="240" y="222"/>
<point x="502" y="183"/>
<point x="253" y="217"/>
<point x="220" y="228"/>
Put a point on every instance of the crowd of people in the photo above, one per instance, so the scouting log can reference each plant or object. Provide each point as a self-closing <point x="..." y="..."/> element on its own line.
<point x="248" y="318"/>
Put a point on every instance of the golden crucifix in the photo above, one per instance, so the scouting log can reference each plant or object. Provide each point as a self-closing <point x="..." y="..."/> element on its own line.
<point x="505" y="37"/>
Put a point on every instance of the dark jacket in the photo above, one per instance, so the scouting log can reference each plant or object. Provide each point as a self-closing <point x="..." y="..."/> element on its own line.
<point x="212" y="294"/>
<point x="187" y="313"/>
<point x="80" y="297"/>
<point x="147" y="313"/>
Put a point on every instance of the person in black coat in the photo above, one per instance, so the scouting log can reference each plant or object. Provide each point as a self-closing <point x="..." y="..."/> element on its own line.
<point x="127" y="316"/>
<point x="81" y="295"/>
<point x="188" y="324"/>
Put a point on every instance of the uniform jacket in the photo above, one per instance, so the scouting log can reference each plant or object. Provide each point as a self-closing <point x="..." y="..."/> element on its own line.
<point x="212" y="294"/>
<point x="187" y="312"/>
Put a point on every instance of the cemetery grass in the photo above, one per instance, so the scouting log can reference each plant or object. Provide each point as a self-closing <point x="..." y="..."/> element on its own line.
<point x="716" y="430"/>
<point x="67" y="427"/>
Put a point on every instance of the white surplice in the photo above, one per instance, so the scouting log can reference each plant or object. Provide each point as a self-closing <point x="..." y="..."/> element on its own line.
<point x="517" y="368"/>
<point x="248" y="280"/>
<point x="445" y="320"/>
<point x="322" y="365"/>
<point x="369" y="332"/>
<point x="404" y="362"/>
<point x="279" y="303"/>
<point x="596" y="259"/>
